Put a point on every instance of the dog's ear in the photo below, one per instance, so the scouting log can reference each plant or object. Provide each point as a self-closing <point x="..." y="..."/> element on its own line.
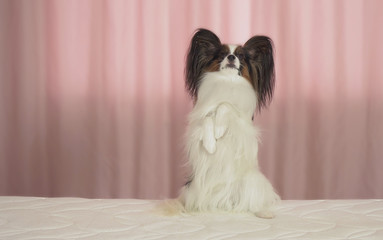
<point x="259" y="57"/>
<point x="203" y="47"/>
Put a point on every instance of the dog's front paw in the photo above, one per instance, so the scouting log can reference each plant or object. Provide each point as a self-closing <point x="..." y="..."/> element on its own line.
<point x="220" y="131"/>
<point x="221" y="121"/>
<point x="208" y="139"/>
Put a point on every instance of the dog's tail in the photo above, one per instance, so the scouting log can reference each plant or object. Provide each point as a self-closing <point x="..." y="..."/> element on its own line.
<point x="170" y="207"/>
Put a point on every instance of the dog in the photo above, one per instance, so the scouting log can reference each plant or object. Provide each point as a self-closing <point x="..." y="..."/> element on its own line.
<point x="228" y="84"/>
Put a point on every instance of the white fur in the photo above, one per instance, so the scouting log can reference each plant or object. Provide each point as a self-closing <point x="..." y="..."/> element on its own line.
<point x="222" y="146"/>
<point x="232" y="48"/>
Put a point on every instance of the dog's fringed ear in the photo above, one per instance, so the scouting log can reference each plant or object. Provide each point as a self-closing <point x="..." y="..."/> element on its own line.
<point x="259" y="56"/>
<point x="202" y="50"/>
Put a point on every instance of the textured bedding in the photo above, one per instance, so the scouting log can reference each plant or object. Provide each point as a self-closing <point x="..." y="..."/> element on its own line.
<point x="77" y="218"/>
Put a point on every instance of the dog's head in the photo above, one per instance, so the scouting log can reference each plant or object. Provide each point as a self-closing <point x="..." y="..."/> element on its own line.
<point x="254" y="61"/>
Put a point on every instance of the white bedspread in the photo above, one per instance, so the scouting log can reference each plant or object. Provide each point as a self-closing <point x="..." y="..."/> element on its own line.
<point x="76" y="218"/>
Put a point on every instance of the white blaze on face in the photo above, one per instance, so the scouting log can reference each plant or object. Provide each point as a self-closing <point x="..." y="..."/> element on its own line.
<point x="232" y="48"/>
<point x="230" y="62"/>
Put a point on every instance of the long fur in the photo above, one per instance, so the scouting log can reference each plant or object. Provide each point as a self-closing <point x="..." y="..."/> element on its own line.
<point x="222" y="142"/>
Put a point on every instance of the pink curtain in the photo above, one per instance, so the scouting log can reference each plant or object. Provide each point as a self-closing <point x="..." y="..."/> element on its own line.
<point x="92" y="99"/>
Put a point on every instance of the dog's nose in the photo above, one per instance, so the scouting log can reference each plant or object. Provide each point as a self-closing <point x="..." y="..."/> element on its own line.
<point x="231" y="57"/>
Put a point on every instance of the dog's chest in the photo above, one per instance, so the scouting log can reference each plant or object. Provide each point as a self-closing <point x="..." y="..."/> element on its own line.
<point x="217" y="89"/>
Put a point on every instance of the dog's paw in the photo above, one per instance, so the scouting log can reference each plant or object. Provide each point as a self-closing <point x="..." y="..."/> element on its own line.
<point x="209" y="145"/>
<point x="208" y="139"/>
<point x="221" y="121"/>
<point x="219" y="131"/>
<point x="265" y="214"/>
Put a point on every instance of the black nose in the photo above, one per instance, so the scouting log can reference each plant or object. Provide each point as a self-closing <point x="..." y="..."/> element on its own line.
<point x="231" y="57"/>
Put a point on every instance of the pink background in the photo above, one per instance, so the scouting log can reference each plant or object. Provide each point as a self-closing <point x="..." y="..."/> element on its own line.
<point x="92" y="99"/>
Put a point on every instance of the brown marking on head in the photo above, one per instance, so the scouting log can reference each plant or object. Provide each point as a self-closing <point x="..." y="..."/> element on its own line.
<point x="222" y="52"/>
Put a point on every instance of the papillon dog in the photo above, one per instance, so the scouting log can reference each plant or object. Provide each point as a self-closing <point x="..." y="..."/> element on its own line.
<point x="228" y="84"/>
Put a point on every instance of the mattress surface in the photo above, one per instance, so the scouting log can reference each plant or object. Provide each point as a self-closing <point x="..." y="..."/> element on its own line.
<point x="77" y="218"/>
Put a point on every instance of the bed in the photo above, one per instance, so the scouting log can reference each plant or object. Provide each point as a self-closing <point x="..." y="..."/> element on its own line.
<point x="79" y="218"/>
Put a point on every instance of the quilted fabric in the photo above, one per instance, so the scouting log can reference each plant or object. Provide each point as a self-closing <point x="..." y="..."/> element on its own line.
<point x="77" y="218"/>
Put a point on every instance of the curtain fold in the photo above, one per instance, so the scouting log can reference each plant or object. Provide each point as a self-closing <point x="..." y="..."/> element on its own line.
<point x="93" y="104"/>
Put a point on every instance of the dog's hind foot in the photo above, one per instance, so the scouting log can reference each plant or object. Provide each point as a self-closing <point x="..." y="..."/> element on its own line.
<point x="265" y="214"/>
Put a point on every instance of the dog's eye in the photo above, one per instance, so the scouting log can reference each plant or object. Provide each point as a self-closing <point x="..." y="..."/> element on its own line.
<point x="222" y="55"/>
<point x="240" y="56"/>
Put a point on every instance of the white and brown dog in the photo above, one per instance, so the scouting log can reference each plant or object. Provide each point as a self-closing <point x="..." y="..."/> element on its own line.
<point x="227" y="83"/>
